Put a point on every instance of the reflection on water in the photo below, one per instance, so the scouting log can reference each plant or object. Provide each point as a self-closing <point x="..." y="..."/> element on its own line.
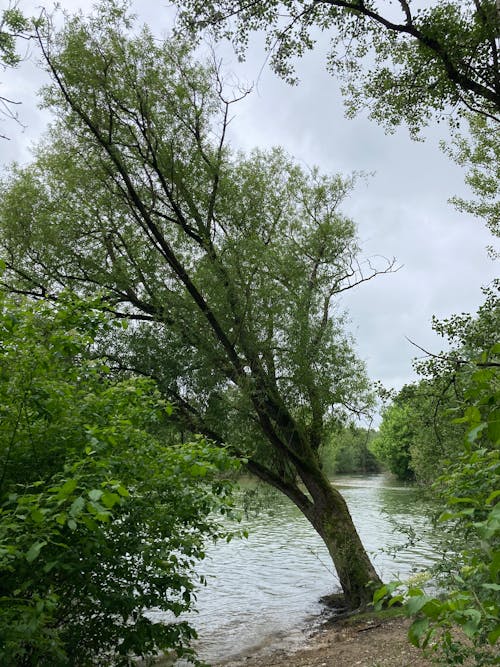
<point x="261" y="590"/>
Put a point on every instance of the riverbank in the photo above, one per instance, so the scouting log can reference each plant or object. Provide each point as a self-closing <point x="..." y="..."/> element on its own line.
<point x="365" y="643"/>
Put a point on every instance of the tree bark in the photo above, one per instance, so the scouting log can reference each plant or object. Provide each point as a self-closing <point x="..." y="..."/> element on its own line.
<point x="330" y="517"/>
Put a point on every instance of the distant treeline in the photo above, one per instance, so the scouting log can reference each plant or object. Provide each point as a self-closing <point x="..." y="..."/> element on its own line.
<point x="349" y="450"/>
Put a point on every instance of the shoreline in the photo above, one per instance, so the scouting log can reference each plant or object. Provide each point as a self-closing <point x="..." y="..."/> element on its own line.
<point x="367" y="641"/>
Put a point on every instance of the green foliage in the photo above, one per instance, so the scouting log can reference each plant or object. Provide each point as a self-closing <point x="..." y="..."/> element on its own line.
<point x="392" y="444"/>
<point x="405" y="63"/>
<point x="348" y="451"/>
<point x="15" y="28"/>
<point x="480" y="154"/>
<point x="228" y="265"/>
<point x="100" y="521"/>
<point x="12" y="24"/>
<point x="470" y="490"/>
<point x="418" y="435"/>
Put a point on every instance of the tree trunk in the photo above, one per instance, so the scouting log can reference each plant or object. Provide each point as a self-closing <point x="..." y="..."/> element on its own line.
<point x="331" y="518"/>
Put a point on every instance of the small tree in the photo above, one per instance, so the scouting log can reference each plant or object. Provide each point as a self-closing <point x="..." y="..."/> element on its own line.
<point x="100" y="521"/>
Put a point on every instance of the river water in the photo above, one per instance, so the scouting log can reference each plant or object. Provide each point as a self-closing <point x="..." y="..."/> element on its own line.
<point x="263" y="591"/>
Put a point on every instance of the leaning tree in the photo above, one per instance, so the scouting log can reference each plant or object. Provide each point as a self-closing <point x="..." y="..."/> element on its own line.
<point x="227" y="267"/>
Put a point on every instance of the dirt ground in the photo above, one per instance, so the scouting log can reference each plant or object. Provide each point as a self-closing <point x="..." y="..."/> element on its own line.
<point x="371" y="643"/>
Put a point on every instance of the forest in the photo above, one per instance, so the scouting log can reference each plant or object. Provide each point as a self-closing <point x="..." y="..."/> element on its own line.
<point x="170" y="326"/>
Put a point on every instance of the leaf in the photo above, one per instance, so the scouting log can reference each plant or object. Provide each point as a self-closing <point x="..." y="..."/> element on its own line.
<point x="494" y="635"/>
<point x="494" y="426"/>
<point x="37" y="515"/>
<point x="67" y="488"/>
<point x="492" y="496"/>
<point x="379" y="594"/>
<point x="396" y="599"/>
<point x="417" y="629"/>
<point x="90" y="523"/>
<point x="34" y="551"/>
<point x="415" y="604"/>
<point x="95" y="494"/>
<point x="122" y="491"/>
<point x="472" y="414"/>
<point x="109" y="499"/>
<point x="432" y="609"/>
<point x="77" y="506"/>
<point x="470" y="628"/>
<point x="456" y="501"/>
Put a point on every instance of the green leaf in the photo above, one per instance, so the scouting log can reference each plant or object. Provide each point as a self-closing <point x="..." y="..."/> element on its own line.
<point x="37" y="515"/>
<point x="494" y="427"/>
<point x="67" y="488"/>
<point x="95" y="494"/>
<point x="492" y="496"/>
<point x="61" y="518"/>
<point x="379" y="594"/>
<point x="89" y="523"/>
<point x="491" y="587"/>
<point x="77" y="506"/>
<point x="34" y="551"/>
<point x="109" y="500"/>
<point x="432" y="609"/>
<point x="468" y="500"/>
<point x="494" y="635"/>
<point x="395" y="599"/>
<point x="415" y="604"/>
<point x="417" y="629"/>
<point x="470" y="628"/>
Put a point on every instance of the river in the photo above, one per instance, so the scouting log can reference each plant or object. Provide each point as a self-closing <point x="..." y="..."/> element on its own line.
<point x="262" y="591"/>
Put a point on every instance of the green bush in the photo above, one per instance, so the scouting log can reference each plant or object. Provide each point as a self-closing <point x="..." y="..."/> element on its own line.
<point x="100" y="521"/>
<point x="463" y="625"/>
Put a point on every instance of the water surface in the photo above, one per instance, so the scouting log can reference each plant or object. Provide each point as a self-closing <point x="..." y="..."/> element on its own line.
<point x="262" y="591"/>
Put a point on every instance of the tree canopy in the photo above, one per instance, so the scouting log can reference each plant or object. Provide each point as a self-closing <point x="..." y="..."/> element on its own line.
<point x="14" y="27"/>
<point x="228" y="265"/>
<point x="405" y="62"/>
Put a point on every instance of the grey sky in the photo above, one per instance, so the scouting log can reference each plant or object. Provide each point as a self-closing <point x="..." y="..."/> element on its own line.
<point x="401" y="211"/>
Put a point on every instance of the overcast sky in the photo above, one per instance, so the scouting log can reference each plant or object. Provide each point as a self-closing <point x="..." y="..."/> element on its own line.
<point x="401" y="211"/>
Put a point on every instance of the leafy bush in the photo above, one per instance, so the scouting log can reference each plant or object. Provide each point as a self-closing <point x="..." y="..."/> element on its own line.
<point x="463" y="625"/>
<point x="100" y="521"/>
